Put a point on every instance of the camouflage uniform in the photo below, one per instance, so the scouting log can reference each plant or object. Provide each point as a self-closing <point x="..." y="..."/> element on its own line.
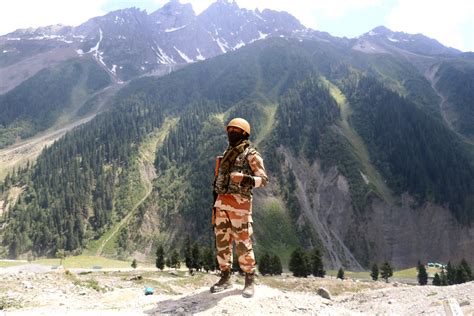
<point x="233" y="213"/>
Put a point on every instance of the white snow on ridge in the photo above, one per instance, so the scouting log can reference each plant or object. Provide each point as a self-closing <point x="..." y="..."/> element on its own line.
<point x="119" y="20"/>
<point x="222" y="45"/>
<point x="97" y="54"/>
<point x="258" y="16"/>
<point x="239" y="45"/>
<point x="79" y="51"/>
<point x="162" y="57"/>
<point x="114" y="69"/>
<point x="96" y="47"/>
<point x="5" y="51"/>
<point x="13" y="39"/>
<point x="200" y="56"/>
<point x="262" y="35"/>
<point x="99" y="57"/>
<point x="392" y="39"/>
<point x="175" y="28"/>
<point x="183" y="55"/>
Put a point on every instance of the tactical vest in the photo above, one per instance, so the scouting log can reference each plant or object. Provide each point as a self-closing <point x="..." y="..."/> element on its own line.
<point x="224" y="185"/>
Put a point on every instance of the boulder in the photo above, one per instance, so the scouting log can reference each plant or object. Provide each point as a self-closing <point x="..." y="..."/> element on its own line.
<point x="324" y="293"/>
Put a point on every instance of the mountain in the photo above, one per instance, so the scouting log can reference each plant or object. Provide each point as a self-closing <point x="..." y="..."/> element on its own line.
<point x="366" y="159"/>
<point x="414" y="43"/>
<point x="39" y="101"/>
<point x="130" y="42"/>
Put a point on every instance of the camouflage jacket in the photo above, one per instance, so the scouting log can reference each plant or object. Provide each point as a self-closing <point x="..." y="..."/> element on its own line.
<point x="249" y="162"/>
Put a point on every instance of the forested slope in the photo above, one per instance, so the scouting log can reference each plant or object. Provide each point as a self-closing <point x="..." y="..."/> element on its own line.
<point x="78" y="188"/>
<point x="38" y="102"/>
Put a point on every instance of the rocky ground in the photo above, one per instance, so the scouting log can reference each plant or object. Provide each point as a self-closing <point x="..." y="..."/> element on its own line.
<point x="38" y="290"/>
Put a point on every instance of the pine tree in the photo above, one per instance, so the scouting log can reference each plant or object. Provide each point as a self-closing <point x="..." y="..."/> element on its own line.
<point x="299" y="263"/>
<point x="174" y="261"/>
<point x="386" y="271"/>
<point x="422" y="274"/>
<point x="467" y="268"/>
<point x="340" y="273"/>
<point x="264" y="264"/>
<point x="436" y="279"/>
<point x="188" y="254"/>
<point x="317" y="266"/>
<point x="61" y="255"/>
<point x="160" y="258"/>
<point x="443" y="278"/>
<point x="451" y="274"/>
<point x="275" y="264"/>
<point x="461" y="275"/>
<point x="209" y="259"/>
<point x="375" y="272"/>
<point x="134" y="263"/>
<point x="196" y="257"/>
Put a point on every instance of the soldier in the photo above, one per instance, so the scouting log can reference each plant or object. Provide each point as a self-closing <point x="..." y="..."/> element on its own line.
<point x="237" y="172"/>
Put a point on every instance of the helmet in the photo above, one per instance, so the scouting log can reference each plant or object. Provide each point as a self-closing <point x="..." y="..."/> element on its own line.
<point x="240" y="123"/>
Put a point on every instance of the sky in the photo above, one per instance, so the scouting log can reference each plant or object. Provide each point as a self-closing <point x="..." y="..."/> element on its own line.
<point x="450" y="22"/>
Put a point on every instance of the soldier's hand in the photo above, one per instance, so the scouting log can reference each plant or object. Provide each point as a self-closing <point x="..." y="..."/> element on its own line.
<point x="236" y="177"/>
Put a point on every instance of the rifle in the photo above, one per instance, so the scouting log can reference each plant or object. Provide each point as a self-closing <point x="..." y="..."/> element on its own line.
<point x="216" y="173"/>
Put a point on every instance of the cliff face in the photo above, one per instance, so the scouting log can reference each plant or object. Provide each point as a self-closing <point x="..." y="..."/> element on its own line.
<point x="402" y="233"/>
<point x="407" y="233"/>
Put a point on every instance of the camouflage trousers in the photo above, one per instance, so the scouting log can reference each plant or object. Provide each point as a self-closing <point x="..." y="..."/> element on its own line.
<point x="233" y="223"/>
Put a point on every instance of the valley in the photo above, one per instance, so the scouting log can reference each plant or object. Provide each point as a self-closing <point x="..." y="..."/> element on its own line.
<point x="115" y="124"/>
<point x="18" y="154"/>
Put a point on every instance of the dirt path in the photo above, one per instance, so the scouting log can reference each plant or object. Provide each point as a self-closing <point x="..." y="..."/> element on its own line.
<point x="147" y="174"/>
<point x="124" y="221"/>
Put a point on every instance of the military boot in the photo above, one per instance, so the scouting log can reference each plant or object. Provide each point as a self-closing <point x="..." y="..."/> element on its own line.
<point x="249" y="289"/>
<point x="223" y="284"/>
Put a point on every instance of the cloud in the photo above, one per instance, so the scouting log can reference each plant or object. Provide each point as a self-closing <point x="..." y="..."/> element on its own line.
<point x="17" y="14"/>
<point x="449" y="22"/>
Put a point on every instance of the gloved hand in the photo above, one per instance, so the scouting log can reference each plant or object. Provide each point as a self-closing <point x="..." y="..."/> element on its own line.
<point x="243" y="179"/>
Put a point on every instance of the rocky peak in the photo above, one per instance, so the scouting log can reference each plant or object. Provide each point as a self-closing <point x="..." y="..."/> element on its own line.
<point x="416" y="43"/>
<point x="221" y="9"/>
<point x="379" y="30"/>
<point x="225" y="4"/>
<point x="173" y="15"/>
<point x="282" y="20"/>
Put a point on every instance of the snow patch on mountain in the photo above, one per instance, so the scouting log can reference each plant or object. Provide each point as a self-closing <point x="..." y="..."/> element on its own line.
<point x="183" y="55"/>
<point x="222" y="45"/>
<point x="95" y="49"/>
<point x="239" y="45"/>
<point x="162" y="57"/>
<point x="200" y="56"/>
<point x="175" y="29"/>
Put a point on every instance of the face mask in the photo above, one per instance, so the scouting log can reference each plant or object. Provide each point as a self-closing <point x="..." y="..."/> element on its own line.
<point x="234" y="138"/>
